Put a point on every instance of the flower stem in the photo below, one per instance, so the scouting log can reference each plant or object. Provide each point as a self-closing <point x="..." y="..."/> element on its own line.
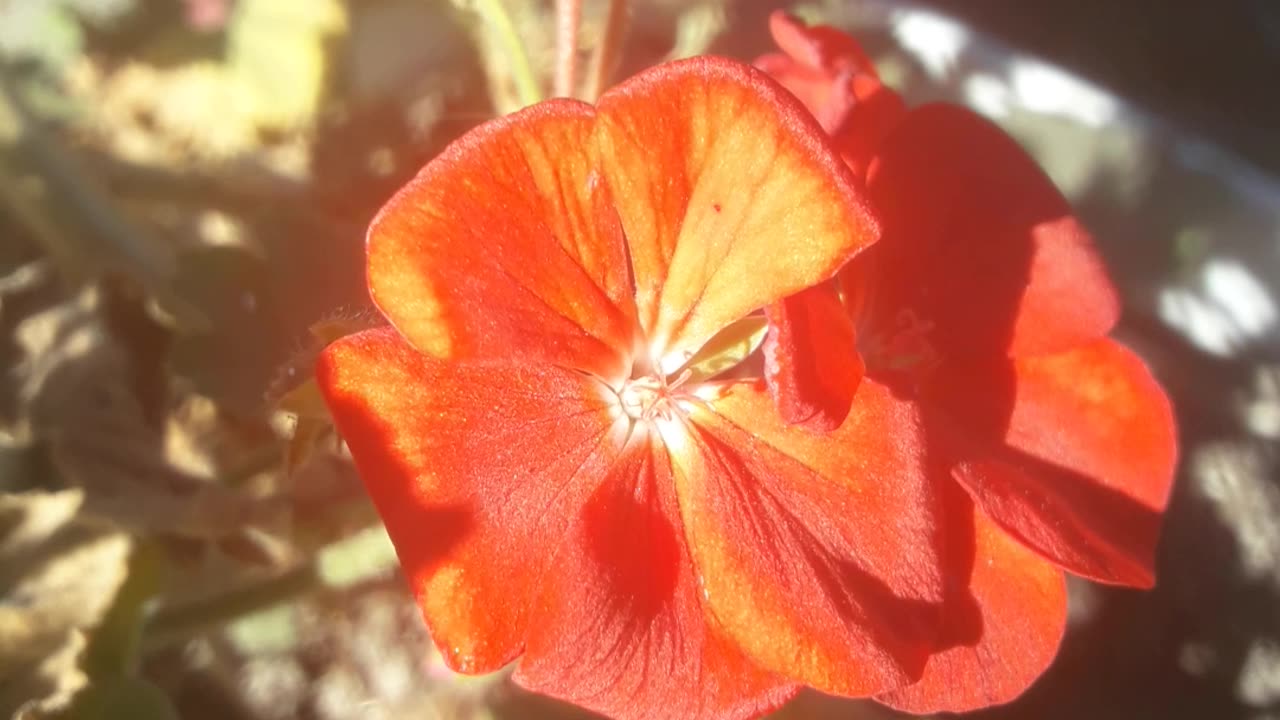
<point x="175" y="624"/>
<point x="495" y="16"/>
<point x="607" y="51"/>
<point x="568" y="21"/>
<point x="114" y="647"/>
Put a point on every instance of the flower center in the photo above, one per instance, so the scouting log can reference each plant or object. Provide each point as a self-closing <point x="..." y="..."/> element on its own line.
<point x="640" y="397"/>
<point x="650" y="396"/>
<point x="904" y="350"/>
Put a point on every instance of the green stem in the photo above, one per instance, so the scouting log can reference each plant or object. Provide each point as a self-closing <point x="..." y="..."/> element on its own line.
<point x="495" y="15"/>
<point x="114" y="645"/>
<point x="180" y="622"/>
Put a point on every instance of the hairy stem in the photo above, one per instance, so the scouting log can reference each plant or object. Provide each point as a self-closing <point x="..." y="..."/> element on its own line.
<point x="568" y="22"/>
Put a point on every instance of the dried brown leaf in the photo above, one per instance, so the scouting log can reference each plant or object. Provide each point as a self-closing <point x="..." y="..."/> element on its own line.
<point x="77" y="394"/>
<point x="61" y="575"/>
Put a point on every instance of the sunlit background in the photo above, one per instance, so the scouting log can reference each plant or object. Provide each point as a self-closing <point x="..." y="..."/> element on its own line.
<point x="184" y="187"/>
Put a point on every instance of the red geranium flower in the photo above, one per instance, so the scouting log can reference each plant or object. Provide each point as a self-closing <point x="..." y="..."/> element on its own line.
<point x="831" y="75"/>
<point x="984" y="308"/>
<point x="566" y="481"/>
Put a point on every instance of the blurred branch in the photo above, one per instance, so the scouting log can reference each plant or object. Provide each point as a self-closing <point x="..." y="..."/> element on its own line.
<point x="568" y="23"/>
<point x="18" y="202"/>
<point x="251" y="194"/>
<point x="69" y="178"/>
<point x="607" y="52"/>
<point x="14" y="200"/>
<point x="128" y="249"/>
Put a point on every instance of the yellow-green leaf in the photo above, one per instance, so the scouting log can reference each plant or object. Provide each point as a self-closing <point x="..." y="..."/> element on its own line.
<point x="728" y="348"/>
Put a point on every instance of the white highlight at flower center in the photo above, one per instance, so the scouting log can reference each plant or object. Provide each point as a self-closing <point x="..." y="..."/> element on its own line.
<point x="651" y="397"/>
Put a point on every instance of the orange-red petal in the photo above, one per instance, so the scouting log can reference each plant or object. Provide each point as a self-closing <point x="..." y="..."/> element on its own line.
<point x="817" y="64"/>
<point x="817" y="554"/>
<point x="828" y="71"/>
<point x="1002" y="623"/>
<point x="476" y="469"/>
<point x="978" y="244"/>
<point x="818" y="47"/>
<point x="618" y="625"/>
<point x="506" y="245"/>
<point x="811" y="367"/>
<point x="1072" y="453"/>
<point x="879" y="111"/>
<point x="729" y="195"/>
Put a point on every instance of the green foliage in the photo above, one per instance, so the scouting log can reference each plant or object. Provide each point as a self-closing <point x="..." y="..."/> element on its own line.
<point x="49" y="32"/>
<point x="728" y="348"/>
<point x="276" y="55"/>
<point x="118" y="698"/>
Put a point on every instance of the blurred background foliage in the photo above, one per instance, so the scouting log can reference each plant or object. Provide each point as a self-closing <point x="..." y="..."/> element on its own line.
<point x="184" y="187"/>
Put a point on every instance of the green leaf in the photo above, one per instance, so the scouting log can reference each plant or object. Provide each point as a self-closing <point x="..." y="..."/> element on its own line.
<point x="727" y="349"/>
<point x="41" y="30"/>
<point x="116" y="698"/>
<point x="276" y="52"/>
<point x="365" y="555"/>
